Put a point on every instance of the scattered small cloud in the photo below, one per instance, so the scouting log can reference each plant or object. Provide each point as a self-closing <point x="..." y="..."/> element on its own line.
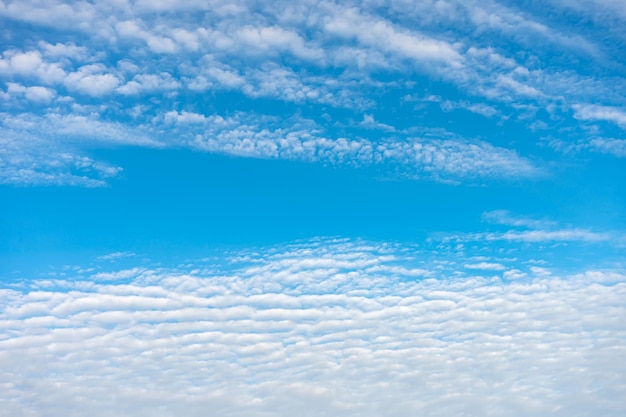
<point x="486" y="266"/>
<point x="115" y="255"/>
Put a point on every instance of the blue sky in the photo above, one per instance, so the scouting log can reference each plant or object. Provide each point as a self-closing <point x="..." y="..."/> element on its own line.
<point x="301" y="170"/>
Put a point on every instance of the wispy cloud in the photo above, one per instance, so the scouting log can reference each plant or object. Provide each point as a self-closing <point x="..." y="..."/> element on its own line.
<point x="602" y="113"/>
<point x="115" y="255"/>
<point x="616" y="147"/>
<point x="537" y="231"/>
<point x="29" y="160"/>
<point x="507" y="218"/>
<point x="486" y="266"/>
<point x="252" y="135"/>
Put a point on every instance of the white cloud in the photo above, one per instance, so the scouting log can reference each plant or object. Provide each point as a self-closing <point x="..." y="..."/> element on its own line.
<point x="445" y="159"/>
<point x="28" y="160"/>
<point x="308" y="329"/>
<point x="534" y="231"/>
<point x="553" y="235"/>
<point x="514" y="274"/>
<point x="539" y="271"/>
<point x="611" y="146"/>
<point x="490" y="15"/>
<point x="157" y="43"/>
<point x="64" y="50"/>
<point x="538" y="236"/>
<point x="383" y="36"/>
<point x="507" y="218"/>
<point x="261" y="40"/>
<point x="311" y="55"/>
<point x="125" y="274"/>
<point x="79" y="14"/>
<point x="370" y="123"/>
<point x="486" y="266"/>
<point x="114" y="256"/>
<point x="47" y="150"/>
<point x="600" y="113"/>
<point x="37" y="94"/>
<point x="517" y="87"/>
<point x="76" y="128"/>
<point x="250" y="135"/>
<point x="93" y="80"/>
<point x="615" y="147"/>
<point x="183" y="117"/>
<point x="31" y="64"/>
<point x="149" y="83"/>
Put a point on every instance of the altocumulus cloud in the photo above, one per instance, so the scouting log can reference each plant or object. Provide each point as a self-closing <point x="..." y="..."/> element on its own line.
<point x="327" y="327"/>
<point x="110" y="72"/>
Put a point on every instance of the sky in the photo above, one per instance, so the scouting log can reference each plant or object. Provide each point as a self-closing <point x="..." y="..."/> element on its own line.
<point x="316" y="208"/>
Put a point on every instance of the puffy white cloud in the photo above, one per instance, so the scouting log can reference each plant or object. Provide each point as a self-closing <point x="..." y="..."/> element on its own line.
<point x="62" y="50"/>
<point x="514" y="274"/>
<point x="149" y="83"/>
<point x="156" y="43"/>
<point x="31" y="64"/>
<point x="93" y="80"/>
<point x="308" y="329"/>
<point x="37" y="94"/>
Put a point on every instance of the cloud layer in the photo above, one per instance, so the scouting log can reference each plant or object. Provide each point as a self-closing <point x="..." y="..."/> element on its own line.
<point x="317" y="328"/>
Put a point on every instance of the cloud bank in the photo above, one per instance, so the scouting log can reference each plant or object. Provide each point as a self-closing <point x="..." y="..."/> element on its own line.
<point x="337" y="327"/>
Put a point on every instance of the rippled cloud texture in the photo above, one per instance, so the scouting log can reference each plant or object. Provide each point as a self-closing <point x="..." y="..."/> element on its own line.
<point x="312" y="208"/>
<point x="327" y="327"/>
<point x="212" y="75"/>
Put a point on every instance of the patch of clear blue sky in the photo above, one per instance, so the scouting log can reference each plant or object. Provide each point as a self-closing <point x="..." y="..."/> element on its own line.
<point x="179" y="200"/>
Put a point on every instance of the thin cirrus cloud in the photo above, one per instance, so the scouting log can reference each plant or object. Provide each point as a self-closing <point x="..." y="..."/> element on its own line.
<point x="528" y="230"/>
<point x="616" y="147"/>
<point x="319" y="328"/>
<point x="27" y="159"/>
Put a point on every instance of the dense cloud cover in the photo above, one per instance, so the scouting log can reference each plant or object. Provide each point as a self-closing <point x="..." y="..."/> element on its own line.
<point x="317" y="328"/>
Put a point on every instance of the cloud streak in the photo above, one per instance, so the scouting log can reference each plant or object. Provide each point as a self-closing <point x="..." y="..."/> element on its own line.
<point x="252" y="135"/>
<point x="529" y="230"/>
